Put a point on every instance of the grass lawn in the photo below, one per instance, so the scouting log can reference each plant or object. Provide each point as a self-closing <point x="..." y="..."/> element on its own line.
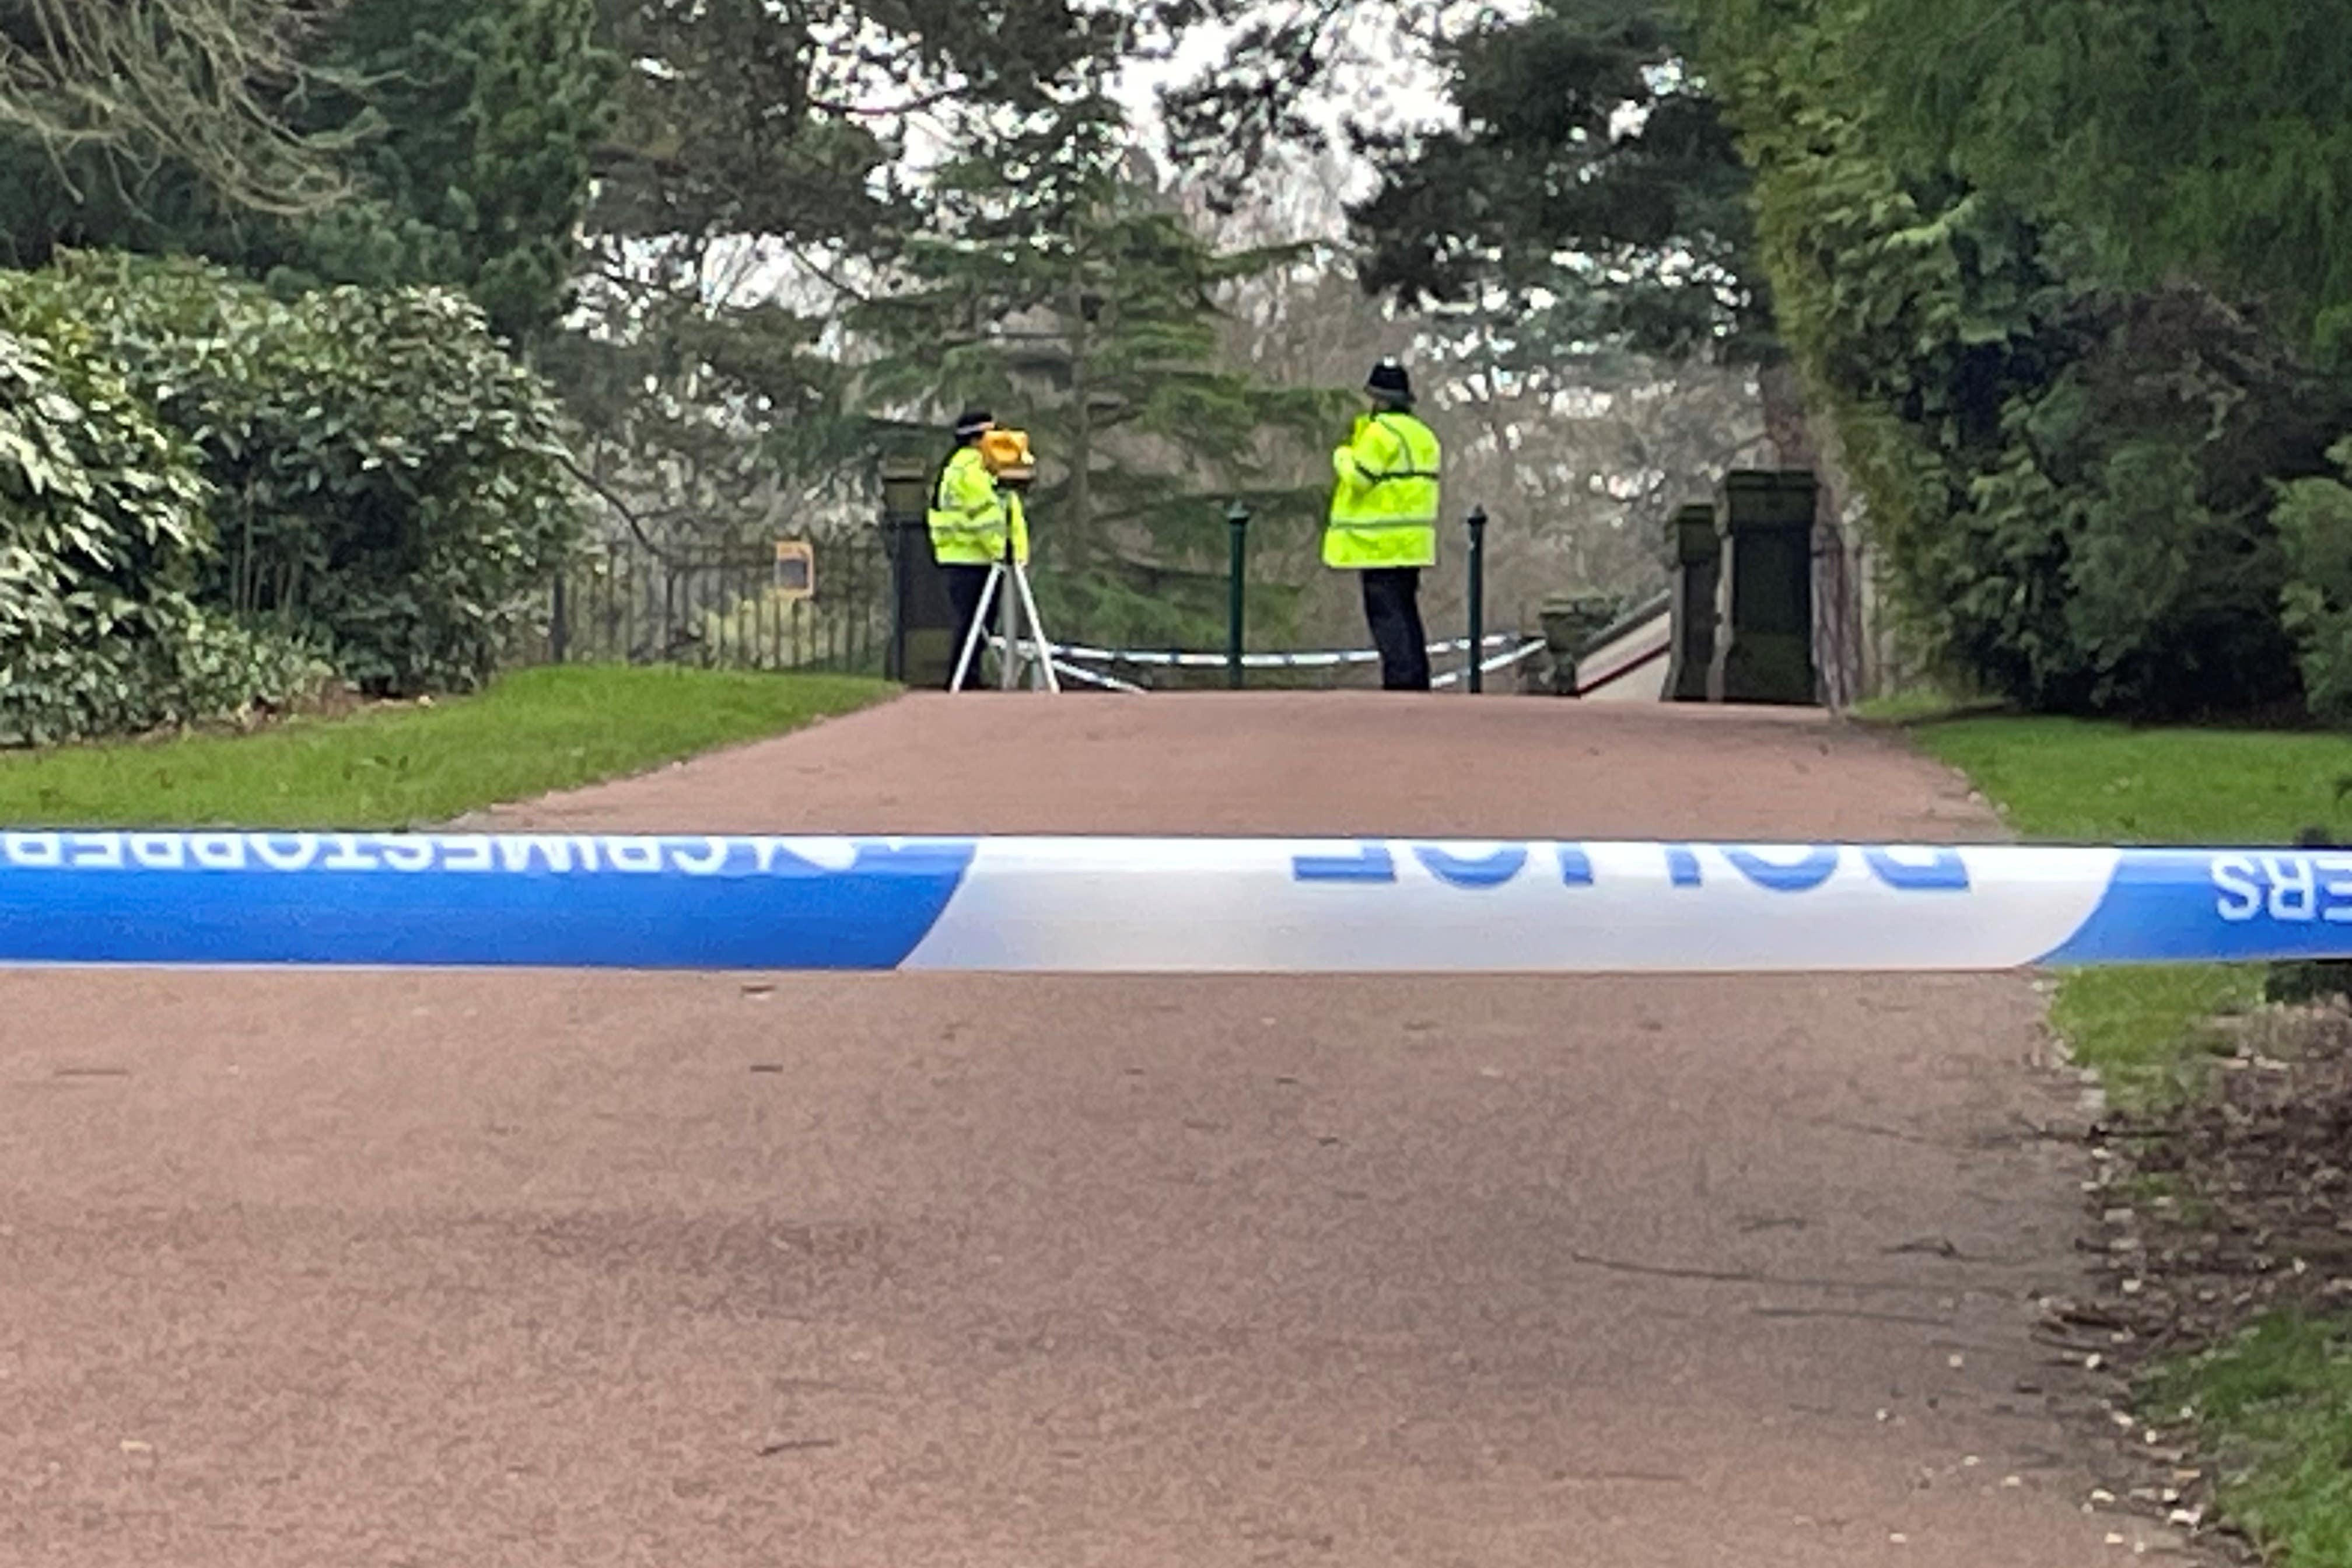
<point x="2064" y="780"/>
<point x="2273" y="1408"/>
<point x="405" y="766"/>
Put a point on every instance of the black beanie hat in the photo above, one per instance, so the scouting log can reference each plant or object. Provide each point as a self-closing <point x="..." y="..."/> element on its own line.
<point x="1389" y="379"/>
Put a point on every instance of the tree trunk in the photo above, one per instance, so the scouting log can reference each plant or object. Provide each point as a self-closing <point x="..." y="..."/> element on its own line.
<point x="1082" y="425"/>
<point x="1840" y="662"/>
<point x="1786" y="422"/>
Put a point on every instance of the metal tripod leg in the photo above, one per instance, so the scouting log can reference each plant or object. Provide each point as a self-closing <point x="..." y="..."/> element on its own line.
<point x="964" y="660"/>
<point x="1044" y="650"/>
<point x="1019" y="602"/>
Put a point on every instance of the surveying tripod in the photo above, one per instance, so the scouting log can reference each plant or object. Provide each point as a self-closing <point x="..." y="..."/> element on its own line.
<point x="1011" y="604"/>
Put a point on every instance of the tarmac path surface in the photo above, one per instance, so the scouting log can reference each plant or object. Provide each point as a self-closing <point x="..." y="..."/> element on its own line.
<point x="889" y="1272"/>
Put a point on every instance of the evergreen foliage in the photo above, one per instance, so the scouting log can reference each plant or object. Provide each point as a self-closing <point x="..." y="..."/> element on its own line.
<point x="2181" y="137"/>
<point x="2073" y="479"/>
<point x="479" y="176"/>
<point x="1080" y="308"/>
<point x="757" y="186"/>
<point x="103" y="543"/>
<point x="2316" y="524"/>
<point x="1591" y="181"/>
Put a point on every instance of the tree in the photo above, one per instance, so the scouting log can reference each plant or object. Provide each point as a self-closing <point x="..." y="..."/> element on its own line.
<point x="764" y="170"/>
<point x="478" y="175"/>
<point x="1590" y="183"/>
<point x="2180" y="137"/>
<point x="1096" y="324"/>
<point x="1577" y="448"/>
<point x="201" y="82"/>
<point x="460" y="134"/>
<point x="2074" y="482"/>
<point x="711" y="405"/>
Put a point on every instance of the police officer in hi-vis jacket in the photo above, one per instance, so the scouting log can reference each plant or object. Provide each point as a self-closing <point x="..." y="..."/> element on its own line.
<point x="1384" y="523"/>
<point x="970" y="515"/>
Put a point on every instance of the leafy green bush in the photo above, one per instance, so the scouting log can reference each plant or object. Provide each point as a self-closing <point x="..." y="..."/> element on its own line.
<point x="2117" y="551"/>
<point x="102" y="536"/>
<point x="2074" y="485"/>
<point x="2314" y="522"/>
<point x="387" y="483"/>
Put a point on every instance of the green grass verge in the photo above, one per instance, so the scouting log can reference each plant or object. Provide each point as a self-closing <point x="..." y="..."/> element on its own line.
<point x="2066" y="779"/>
<point x="1919" y="707"/>
<point x="532" y="731"/>
<point x="2074" y="781"/>
<point x="2273" y="1410"/>
<point x="2148" y="1031"/>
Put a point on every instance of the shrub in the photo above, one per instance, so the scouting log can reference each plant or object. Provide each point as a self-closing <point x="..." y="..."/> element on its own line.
<point x="2314" y="520"/>
<point x="102" y="536"/>
<point x="2072" y="482"/>
<point x="388" y="484"/>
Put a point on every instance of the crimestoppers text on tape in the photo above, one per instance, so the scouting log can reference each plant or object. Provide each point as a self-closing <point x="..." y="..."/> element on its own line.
<point x="1147" y="905"/>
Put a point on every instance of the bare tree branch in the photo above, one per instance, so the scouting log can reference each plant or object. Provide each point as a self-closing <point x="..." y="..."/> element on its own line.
<point x="613" y="498"/>
<point x="196" y="81"/>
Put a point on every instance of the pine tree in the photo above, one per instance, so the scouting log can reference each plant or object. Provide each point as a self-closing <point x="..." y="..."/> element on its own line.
<point x="479" y="174"/>
<point x="1590" y="191"/>
<point x="756" y="186"/>
<point x="2204" y="138"/>
<point x="1077" y="306"/>
<point x="1588" y="210"/>
<point x="2073" y="484"/>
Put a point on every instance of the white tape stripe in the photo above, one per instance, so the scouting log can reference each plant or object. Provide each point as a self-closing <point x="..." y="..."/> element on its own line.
<point x="1500" y="661"/>
<point x="1075" y="672"/>
<point x="1085" y="677"/>
<point x="1218" y="906"/>
<point x="1317" y="658"/>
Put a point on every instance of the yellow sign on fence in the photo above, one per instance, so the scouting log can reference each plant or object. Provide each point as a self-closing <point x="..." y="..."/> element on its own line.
<point x="795" y="569"/>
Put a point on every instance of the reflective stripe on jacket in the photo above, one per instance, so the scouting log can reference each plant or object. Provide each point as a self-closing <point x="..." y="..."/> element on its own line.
<point x="1384" y="505"/>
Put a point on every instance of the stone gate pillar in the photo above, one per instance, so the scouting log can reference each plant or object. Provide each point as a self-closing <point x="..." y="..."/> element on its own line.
<point x="923" y="621"/>
<point x="1696" y="553"/>
<point x="1764" y="596"/>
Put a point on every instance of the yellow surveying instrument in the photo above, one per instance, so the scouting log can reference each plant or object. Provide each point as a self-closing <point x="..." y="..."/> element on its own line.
<point x="1007" y="454"/>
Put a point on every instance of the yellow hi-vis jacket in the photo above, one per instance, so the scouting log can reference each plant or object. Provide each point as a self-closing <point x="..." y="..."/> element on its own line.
<point x="1384" y="506"/>
<point x="969" y="514"/>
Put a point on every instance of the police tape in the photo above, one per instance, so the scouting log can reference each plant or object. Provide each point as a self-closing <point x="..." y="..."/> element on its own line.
<point x="1146" y="905"/>
<point x="1309" y="659"/>
<point x="1502" y="661"/>
<point x="1067" y="672"/>
<point x="1085" y="677"/>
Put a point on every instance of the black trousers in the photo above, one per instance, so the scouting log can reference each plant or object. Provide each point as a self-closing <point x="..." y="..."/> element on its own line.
<point x="965" y="585"/>
<point x="1393" y="609"/>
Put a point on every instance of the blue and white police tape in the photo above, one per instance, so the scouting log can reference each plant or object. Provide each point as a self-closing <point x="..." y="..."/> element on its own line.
<point x="1136" y="905"/>
<point x="1502" y="661"/>
<point x="1305" y="659"/>
<point x="1068" y="671"/>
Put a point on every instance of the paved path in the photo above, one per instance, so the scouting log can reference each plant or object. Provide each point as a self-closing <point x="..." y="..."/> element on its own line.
<point x="872" y="1272"/>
